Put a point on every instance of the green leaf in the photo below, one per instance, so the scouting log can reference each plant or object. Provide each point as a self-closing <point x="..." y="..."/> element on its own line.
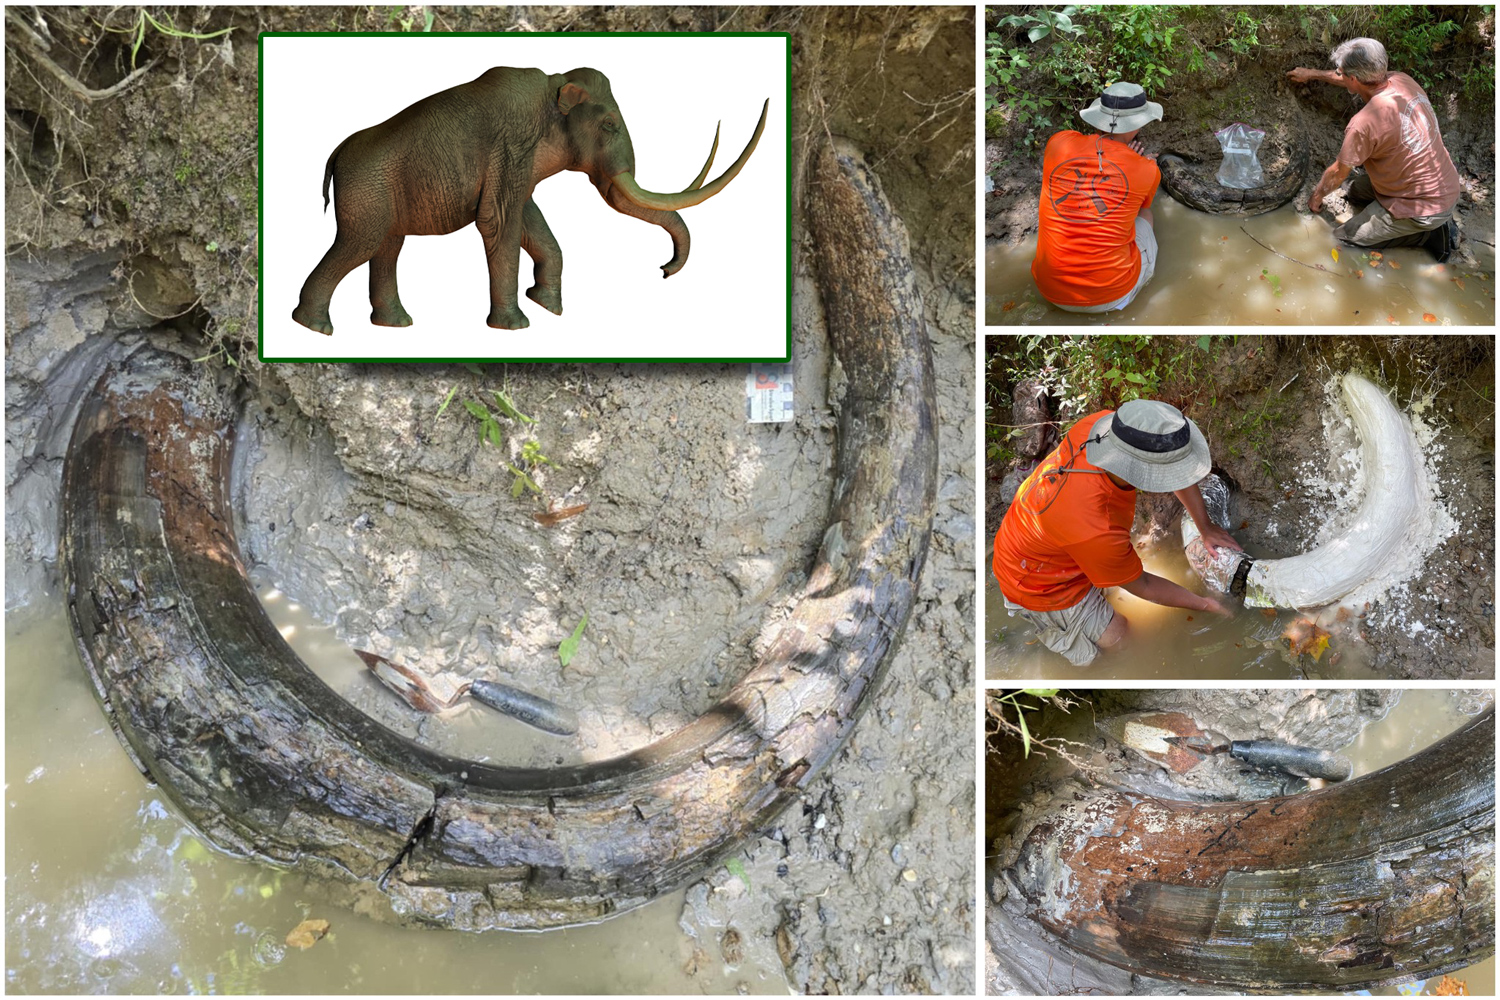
<point x="492" y="429"/>
<point x="517" y="485"/>
<point x="738" y="871"/>
<point x="430" y="17"/>
<point x="1040" y="692"/>
<point x="1204" y="341"/>
<point x="479" y="410"/>
<point x="1039" y="32"/>
<point x="1025" y="733"/>
<point x="565" y="653"/>
<point x="1133" y="377"/>
<point x="1112" y="373"/>
<point x="447" y="399"/>
<point x="509" y="409"/>
<point x="474" y="368"/>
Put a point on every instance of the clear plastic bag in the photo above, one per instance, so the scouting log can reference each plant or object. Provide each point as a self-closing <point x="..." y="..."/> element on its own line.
<point x="1241" y="168"/>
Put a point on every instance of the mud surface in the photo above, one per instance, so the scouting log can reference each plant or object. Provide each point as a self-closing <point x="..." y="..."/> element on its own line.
<point x="1255" y="90"/>
<point x="396" y="528"/>
<point x="1372" y="727"/>
<point x="1264" y="409"/>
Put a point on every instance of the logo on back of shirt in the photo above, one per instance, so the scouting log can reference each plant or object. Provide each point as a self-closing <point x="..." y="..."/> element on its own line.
<point x="1087" y="188"/>
<point x="1418" y="125"/>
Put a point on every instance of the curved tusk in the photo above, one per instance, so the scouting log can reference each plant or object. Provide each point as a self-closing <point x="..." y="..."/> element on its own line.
<point x="269" y="762"/>
<point x="698" y="181"/>
<point x="1394" y="526"/>
<point x="687" y="199"/>
<point x="1385" y="877"/>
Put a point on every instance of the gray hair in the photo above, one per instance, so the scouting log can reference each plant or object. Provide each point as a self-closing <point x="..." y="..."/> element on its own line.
<point x="1362" y="58"/>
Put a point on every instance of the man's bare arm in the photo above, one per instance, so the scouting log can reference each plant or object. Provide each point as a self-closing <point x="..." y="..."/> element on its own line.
<point x="1331" y="76"/>
<point x="1331" y="179"/>
<point x="1159" y="590"/>
<point x="1214" y="537"/>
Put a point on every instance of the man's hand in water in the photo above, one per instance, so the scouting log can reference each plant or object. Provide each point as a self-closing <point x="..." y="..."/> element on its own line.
<point x="1135" y="144"/>
<point x="1217" y="608"/>
<point x="1315" y="203"/>
<point x="1216" y="538"/>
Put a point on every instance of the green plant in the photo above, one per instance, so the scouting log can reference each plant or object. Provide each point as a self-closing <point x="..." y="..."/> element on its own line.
<point x="568" y="648"/>
<point x="165" y="27"/>
<point x="489" y="427"/>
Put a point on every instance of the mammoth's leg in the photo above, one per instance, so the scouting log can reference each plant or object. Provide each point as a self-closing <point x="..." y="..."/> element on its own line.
<point x="539" y="243"/>
<point x="499" y="224"/>
<point x="385" y="301"/>
<point x="351" y="248"/>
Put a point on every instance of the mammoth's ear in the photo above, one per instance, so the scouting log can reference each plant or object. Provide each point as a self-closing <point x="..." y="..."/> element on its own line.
<point x="569" y="96"/>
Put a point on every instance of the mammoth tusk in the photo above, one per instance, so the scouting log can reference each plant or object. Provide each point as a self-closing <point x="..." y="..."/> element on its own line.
<point x="269" y="762"/>
<point x="698" y="181"/>
<point x="1395" y="524"/>
<point x="693" y="195"/>
<point x="1386" y="877"/>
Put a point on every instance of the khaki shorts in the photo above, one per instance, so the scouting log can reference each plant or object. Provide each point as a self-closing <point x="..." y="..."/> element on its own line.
<point x="1376" y="227"/>
<point x="1074" y="632"/>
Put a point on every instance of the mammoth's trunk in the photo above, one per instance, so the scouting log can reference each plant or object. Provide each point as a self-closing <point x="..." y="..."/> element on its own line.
<point x="670" y="221"/>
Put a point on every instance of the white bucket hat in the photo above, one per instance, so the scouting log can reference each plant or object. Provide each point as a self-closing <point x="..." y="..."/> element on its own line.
<point x="1122" y="108"/>
<point x="1151" y="446"/>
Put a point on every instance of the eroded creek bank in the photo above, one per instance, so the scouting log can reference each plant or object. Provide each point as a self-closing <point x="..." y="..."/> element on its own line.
<point x="1374" y="728"/>
<point x="1263" y="404"/>
<point x="392" y="527"/>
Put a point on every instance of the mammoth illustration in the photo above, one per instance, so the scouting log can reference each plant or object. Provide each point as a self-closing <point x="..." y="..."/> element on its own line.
<point x="474" y="153"/>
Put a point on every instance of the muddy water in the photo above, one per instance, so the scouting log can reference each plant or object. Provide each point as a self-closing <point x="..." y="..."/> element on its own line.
<point x="108" y="891"/>
<point x="1210" y="273"/>
<point x="1171" y="643"/>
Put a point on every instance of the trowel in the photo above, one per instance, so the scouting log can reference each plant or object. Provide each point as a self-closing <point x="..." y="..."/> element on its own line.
<point x="443" y="691"/>
<point x="1175" y="740"/>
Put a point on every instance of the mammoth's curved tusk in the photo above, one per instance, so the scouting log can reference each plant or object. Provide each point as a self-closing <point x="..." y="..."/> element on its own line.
<point x="269" y="762"/>
<point x="695" y="195"/>
<point x="1386" y="877"/>
<point x="698" y="181"/>
<point x="1391" y="528"/>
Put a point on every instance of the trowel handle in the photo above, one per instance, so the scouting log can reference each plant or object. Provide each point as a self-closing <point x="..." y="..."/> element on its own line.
<point x="1305" y="762"/>
<point x="531" y="709"/>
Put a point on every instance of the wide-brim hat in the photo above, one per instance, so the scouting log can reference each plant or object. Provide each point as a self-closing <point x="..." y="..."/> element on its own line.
<point x="1151" y="446"/>
<point x="1121" y="108"/>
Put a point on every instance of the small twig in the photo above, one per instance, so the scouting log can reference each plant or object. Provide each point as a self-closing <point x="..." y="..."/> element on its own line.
<point x="130" y="287"/>
<point x="1294" y="260"/>
<point x="68" y="80"/>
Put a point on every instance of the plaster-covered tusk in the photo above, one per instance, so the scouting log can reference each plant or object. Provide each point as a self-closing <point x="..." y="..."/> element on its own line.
<point x="1390" y="531"/>
<point x="693" y="196"/>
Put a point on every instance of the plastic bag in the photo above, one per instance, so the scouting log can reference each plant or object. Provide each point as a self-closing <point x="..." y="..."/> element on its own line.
<point x="1240" y="168"/>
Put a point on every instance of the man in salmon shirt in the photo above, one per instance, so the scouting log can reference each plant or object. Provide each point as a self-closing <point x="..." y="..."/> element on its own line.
<point x="1096" y="248"/>
<point x="1066" y="536"/>
<point x="1408" y="178"/>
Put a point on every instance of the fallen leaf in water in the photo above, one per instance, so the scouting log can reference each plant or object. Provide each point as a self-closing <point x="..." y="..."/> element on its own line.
<point x="551" y="517"/>
<point x="1306" y="637"/>
<point x="1460" y="283"/>
<point x="1239" y="645"/>
<point x="1394" y="263"/>
<point x="1359" y="274"/>
<point x="1268" y="612"/>
<point x="1244" y="525"/>
<point x="1429" y="318"/>
<point x="1390" y="319"/>
<point x="1333" y="660"/>
<point x="1374" y="262"/>
<point x="1344" y="613"/>
<point x="1223" y="239"/>
<point x="307" y="934"/>
<point x="1375" y="255"/>
<point x="1450" y="987"/>
<point x="1335" y="252"/>
<point x="1008" y="306"/>
<point x="1189" y="617"/>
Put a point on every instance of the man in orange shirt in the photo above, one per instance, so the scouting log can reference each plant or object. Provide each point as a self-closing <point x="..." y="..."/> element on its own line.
<point x="1408" y="178"/>
<point x="1096" y="248"/>
<point x="1066" y="536"/>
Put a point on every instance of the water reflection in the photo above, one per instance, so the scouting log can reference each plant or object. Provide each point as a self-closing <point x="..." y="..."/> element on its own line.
<point x="1212" y="273"/>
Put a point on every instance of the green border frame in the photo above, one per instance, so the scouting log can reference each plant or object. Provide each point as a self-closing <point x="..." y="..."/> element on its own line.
<point x="260" y="54"/>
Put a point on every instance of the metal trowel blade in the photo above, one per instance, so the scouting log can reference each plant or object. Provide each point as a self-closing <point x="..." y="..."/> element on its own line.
<point x="1147" y="734"/>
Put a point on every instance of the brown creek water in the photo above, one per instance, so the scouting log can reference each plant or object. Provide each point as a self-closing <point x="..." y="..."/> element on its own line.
<point x="1210" y="273"/>
<point x="1170" y="643"/>
<point x="109" y="891"/>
